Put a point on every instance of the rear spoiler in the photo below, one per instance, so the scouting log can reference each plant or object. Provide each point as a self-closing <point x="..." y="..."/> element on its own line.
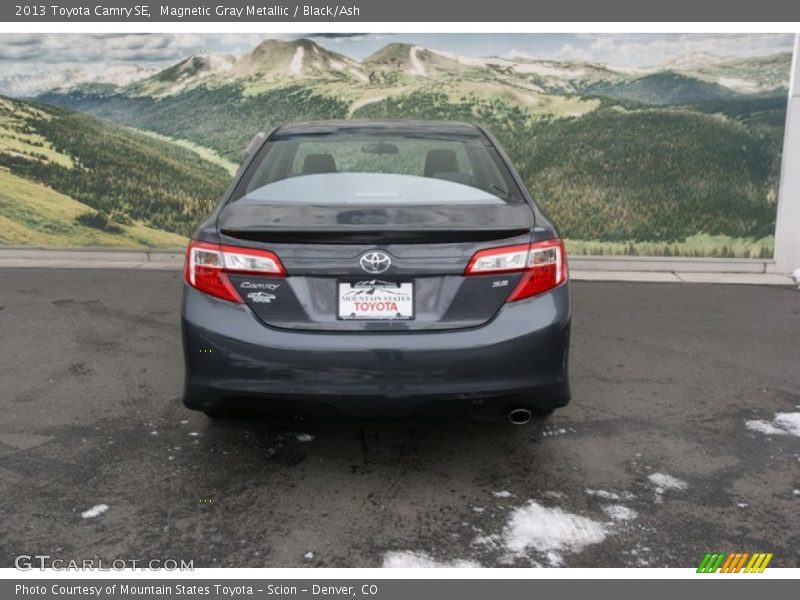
<point x="356" y="224"/>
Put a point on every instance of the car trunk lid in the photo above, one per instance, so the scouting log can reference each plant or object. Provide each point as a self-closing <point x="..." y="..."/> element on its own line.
<point x="427" y="246"/>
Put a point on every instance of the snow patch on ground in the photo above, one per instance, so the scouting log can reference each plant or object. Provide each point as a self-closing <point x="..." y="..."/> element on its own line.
<point x="790" y="422"/>
<point x="664" y="482"/>
<point x="782" y="424"/>
<point x="554" y="559"/>
<point x="618" y="512"/>
<point x="667" y="482"/>
<point x="417" y="560"/>
<point x="95" y="511"/>
<point x="417" y="68"/>
<point x="335" y="64"/>
<point x="550" y="531"/>
<point x="640" y="555"/>
<point x="610" y="495"/>
<point x="304" y="437"/>
<point x="554" y="432"/>
<point x="765" y="427"/>
<point x="796" y="275"/>
<point x="308" y="555"/>
<point x="296" y="66"/>
<point x="536" y="534"/>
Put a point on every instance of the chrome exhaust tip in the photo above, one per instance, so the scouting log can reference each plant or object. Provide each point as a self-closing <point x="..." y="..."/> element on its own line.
<point x="519" y="416"/>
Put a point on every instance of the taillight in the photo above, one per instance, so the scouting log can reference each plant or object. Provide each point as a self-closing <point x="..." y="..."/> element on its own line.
<point x="543" y="266"/>
<point x="207" y="266"/>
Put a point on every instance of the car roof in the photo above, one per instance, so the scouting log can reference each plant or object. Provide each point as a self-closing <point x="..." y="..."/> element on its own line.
<point x="379" y="126"/>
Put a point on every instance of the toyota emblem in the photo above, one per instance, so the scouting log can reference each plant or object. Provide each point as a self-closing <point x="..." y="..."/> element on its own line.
<point x="375" y="262"/>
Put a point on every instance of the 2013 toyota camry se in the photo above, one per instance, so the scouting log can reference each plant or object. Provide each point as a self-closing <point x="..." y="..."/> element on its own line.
<point x="377" y="268"/>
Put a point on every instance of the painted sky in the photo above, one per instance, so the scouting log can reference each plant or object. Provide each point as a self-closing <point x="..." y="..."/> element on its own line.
<point x="22" y="53"/>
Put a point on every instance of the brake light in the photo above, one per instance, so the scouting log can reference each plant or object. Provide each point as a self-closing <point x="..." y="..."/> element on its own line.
<point x="207" y="266"/>
<point x="543" y="266"/>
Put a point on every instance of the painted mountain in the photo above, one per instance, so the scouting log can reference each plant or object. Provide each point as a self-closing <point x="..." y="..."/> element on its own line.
<point x="682" y="159"/>
<point x="69" y="179"/>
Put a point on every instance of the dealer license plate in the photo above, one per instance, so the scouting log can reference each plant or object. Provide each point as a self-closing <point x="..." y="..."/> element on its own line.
<point x="376" y="300"/>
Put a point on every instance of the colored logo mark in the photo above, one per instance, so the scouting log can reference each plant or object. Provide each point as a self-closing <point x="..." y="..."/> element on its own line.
<point x="735" y="562"/>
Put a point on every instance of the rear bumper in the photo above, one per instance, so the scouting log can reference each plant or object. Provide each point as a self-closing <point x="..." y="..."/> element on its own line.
<point x="517" y="359"/>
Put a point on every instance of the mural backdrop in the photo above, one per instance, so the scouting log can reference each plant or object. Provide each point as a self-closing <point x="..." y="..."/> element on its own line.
<point x="635" y="144"/>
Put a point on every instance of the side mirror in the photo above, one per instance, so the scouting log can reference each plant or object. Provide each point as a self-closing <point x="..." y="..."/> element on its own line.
<point x="254" y="144"/>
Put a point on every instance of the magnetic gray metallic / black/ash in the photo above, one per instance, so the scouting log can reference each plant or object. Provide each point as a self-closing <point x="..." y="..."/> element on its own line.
<point x="377" y="268"/>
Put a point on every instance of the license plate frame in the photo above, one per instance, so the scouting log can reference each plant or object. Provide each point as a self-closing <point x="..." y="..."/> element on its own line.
<point x="399" y="292"/>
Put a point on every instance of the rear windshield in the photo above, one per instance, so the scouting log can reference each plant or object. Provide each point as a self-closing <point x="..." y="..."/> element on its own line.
<point x="378" y="168"/>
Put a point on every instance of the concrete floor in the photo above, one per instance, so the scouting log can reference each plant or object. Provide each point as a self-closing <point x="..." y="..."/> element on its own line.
<point x="652" y="464"/>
